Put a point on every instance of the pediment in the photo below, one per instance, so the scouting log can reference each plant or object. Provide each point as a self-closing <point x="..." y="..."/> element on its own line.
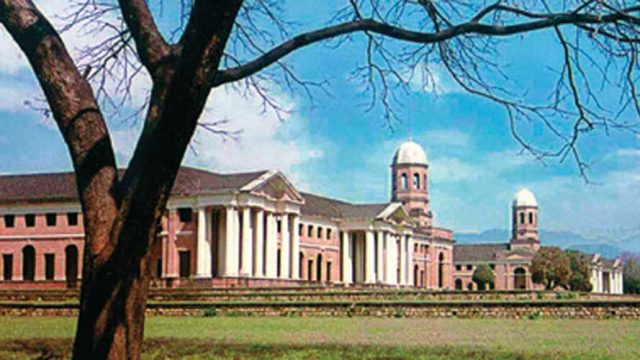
<point x="396" y="213"/>
<point x="276" y="186"/>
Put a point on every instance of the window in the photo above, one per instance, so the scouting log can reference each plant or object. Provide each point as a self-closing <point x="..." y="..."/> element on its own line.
<point x="328" y="233"/>
<point x="458" y="267"/>
<point x="72" y="219"/>
<point x="28" y="263"/>
<point x="9" y="220"/>
<point x="184" y="263"/>
<point x="492" y="266"/>
<point x="300" y="229"/>
<point x="52" y="219"/>
<point x="185" y="215"/>
<point x="309" y="231"/>
<point x="30" y="220"/>
<point x="415" y="247"/>
<point x="279" y="226"/>
<point x="521" y="218"/>
<point x="49" y="266"/>
<point x="159" y="268"/>
<point x="319" y="232"/>
<point x="329" y="271"/>
<point x="7" y="266"/>
<point x="469" y="267"/>
<point x="404" y="184"/>
<point x="530" y="218"/>
<point x="416" y="181"/>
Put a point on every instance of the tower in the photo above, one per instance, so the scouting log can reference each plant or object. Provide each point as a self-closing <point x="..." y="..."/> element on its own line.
<point x="409" y="181"/>
<point x="524" y="214"/>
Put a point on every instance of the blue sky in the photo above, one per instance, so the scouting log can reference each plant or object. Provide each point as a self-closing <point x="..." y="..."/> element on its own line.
<point x="335" y="148"/>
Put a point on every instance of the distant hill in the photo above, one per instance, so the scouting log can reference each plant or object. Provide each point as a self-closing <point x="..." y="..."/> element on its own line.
<point x="611" y="245"/>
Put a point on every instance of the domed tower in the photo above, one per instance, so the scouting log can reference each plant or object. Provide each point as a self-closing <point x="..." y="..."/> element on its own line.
<point x="409" y="181"/>
<point x="524" y="212"/>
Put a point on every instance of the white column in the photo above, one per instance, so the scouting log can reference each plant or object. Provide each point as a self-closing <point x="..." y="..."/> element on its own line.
<point x="379" y="257"/>
<point x="203" y="244"/>
<point x="410" y="246"/>
<point x="370" y="276"/>
<point x="403" y="260"/>
<point x="285" y="247"/>
<point x="347" y="259"/>
<point x="271" y="247"/>
<point x="222" y="242"/>
<point x="295" y="247"/>
<point x="246" y="265"/>
<point x="389" y="271"/>
<point x="258" y="244"/>
<point x="621" y="282"/>
<point x="232" y="247"/>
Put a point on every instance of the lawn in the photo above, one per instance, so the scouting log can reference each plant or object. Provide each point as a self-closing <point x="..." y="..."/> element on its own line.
<point x="344" y="338"/>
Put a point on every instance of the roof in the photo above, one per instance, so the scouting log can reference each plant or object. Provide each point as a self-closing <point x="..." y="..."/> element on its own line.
<point x="524" y="197"/>
<point x="36" y="188"/>
<point x="322" y="206"/>
<point x="477" y="252"/>
<point x="410" y="153"/>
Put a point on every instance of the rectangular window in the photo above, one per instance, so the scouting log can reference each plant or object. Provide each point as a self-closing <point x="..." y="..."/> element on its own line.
<point x="159" y="268"/>
<point x="184" y="260"/>
<point x="458" y="267"/>
<point x="492" y="266"/>
<point x="52" y="219"/>
<point x="185" y="215"/>
<point x="30" y="220"/>
<point x="7" y="266"/>
<point x="49" y="266"/>
<point x="319" y="232"/>
<point x="9" y="220"/>
<point x="328" y="271"/>
<point x="415" y="248"/>
<point x="279" y="226"/>
<point x="300" y="229"/>
<point x="469" y="267"/>
<point x="309" y="231"/>
<point x="72" y="219"/>
<point x="328" y="234"/>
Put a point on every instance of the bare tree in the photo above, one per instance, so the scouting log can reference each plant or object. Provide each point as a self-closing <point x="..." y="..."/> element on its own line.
<point x="245" y="43"/>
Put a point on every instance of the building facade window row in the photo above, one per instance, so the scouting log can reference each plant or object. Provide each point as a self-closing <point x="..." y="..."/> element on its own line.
<point x="29" y="220"/>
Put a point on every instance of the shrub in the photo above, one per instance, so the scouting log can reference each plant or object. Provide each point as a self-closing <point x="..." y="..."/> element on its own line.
<point x="211" y="312"/>
<point x="483" y="276"/>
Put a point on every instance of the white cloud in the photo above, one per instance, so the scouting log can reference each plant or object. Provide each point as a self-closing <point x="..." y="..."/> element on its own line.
<point x="265" y="141"/>
<point x="433" y="78"/>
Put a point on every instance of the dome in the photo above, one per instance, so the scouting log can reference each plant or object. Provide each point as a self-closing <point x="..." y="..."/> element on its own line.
<point x="524" y="197"/>
<point x="410" y="153"/>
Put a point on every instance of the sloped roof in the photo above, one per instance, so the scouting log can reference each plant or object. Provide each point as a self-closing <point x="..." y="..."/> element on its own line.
<point x="322" y="206"/>
<point x="35" y="188"/>
<point x="477" y="252"/>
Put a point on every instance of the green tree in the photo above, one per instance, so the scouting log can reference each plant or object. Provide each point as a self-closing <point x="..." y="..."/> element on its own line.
<point x="580" y="277"/>
<point x="550" y="267"/>
<point x="483" y="276"/>
<point x="631" y="273"/>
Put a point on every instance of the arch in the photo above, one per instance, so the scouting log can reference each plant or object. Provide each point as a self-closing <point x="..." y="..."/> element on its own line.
<point x="440" y="270"/>
<point x="319" y="268"/>
<point x="71" y="265"/>
<point x="459" y="284"/>
<point x="28" y="263"/>
<point x="404" y="181"/>
<point x="416" y="181"/>
<point x="530" y="218"/>
<point x="520" y="279"/>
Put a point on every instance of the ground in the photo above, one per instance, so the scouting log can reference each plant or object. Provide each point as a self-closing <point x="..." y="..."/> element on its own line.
<point x="344" y="338"/>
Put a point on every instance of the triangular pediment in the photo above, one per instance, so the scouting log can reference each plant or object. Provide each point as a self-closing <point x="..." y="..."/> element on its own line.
<point x="396" y="213"/>
<point x="274" y="185"/>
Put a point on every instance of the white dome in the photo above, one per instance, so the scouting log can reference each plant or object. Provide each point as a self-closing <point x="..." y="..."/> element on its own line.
<point x="410" y="153"/>
<point x="524" y="197"/>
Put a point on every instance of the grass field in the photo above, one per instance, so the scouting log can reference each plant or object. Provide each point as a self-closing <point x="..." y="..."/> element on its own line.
<point x="344" y="338"/>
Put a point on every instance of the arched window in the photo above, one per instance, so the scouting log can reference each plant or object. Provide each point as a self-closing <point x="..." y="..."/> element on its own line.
<point x="530" y="218"/>
<point x="403" y="179"/>
<point x="441" y="270"/>
<point x="458" y="284"/>
<point x="521" y="218"/>
<point x="28" y="263"/>
<point x="416" y="181"/>
<point x="520" y="279"/>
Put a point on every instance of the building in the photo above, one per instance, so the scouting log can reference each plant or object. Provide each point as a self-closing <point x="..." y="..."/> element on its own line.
<point x="240" y="229"/>
<point x="257" y="229"/>
<point x="511" y="261"/>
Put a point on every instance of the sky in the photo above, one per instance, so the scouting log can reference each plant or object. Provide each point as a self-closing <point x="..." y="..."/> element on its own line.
<point x="334" y="147"/>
